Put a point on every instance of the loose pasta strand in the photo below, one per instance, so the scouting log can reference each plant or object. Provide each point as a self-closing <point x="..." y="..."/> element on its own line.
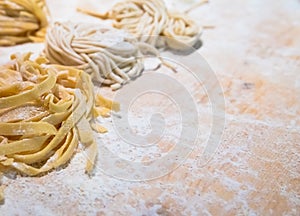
<point x="196" y="5"/>
<point x="94" y="14"/>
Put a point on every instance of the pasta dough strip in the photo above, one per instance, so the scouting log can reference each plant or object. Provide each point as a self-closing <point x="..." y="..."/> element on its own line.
<point x="29" y="128"/>
<point x="23" y="145"/>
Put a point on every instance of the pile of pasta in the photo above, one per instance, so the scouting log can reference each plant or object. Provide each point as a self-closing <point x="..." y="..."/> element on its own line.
<point x="22" y="21"/>
<point x="111" y="56"/>
<point x="45" y="111"/>
<point x="149" y="19"/>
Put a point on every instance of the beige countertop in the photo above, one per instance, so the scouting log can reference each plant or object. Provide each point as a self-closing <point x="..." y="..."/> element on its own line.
<point x="254" y="49"/>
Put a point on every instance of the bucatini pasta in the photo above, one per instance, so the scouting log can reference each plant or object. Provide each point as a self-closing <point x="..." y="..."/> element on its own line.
<point x="111" y="56"/>
<point x="22" y="21"/>
<point x="148" y="19"/>
<point x="45" y="110"/>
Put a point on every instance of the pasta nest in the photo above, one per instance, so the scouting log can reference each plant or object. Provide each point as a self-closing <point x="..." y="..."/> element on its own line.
<point x="22" y="21"/>
<point x="143" y="19"/>
<point x="44" y="112"/>
<point x="181" y="32"/>
<point x="111" y="56"/>
<point x="149" y="20"/>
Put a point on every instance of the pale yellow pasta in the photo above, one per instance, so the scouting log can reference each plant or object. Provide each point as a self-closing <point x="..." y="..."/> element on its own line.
<point x="181" y="32"/>
<point x="149" y="19"/>
<point x="43" y="120"/>
<point x="22" y="21"/>
<point x="112" y="57"/>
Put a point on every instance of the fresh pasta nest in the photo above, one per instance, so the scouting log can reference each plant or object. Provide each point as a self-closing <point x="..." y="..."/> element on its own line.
<point x="22" y="21"/>
<point x="143" y="19"/>
<point x="112" y="57"/>
<point x="181" y="32"/>
<point x="44" y="112"/>
<point x="151" y="22"/>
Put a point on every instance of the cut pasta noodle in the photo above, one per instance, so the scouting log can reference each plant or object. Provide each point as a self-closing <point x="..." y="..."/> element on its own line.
<point x="149" y="19"/>
<point x="22" y="21"/>
<point x="45" y="110"/>
<point x="112" y="57"/>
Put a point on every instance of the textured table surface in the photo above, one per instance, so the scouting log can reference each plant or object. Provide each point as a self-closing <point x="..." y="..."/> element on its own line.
<point x="254" y="48"/>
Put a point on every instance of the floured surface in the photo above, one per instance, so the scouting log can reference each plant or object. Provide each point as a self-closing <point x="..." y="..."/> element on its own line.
<point x="254" y="50"/>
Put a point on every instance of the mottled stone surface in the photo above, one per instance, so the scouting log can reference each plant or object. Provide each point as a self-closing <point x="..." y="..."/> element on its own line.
<point x="254" y="48"/>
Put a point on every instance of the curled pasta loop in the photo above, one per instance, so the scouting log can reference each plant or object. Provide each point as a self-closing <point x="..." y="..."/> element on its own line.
<point x="22" y="21"/>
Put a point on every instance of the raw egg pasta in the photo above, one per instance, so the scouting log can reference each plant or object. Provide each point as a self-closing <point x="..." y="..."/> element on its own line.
<point x="45" y="110"/>
<point x="181" y="32"/>
<point x="149" y="19"/>
<point x="22" y="21"/>
<point x="112" y="57"/>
